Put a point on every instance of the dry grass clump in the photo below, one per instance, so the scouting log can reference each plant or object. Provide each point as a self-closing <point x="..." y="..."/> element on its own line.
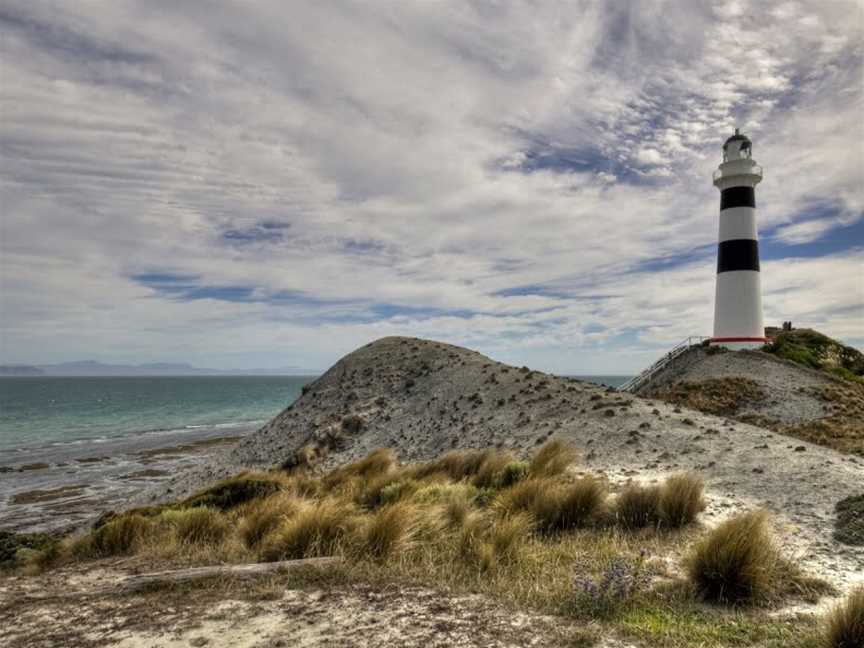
<point x="374" y="465"/>
<point x="844" y="625"/>
<point x="500" y="470"/>
<point x="674" y="504"/>
<point x="198" y="526"/>
<point x="737" y="562"/>
<point x="122" y="535"/>
<point x="552" y="459"/>
<point x="638" y="506"/>
<point x="260" y="517"/>
<point x="232" y="492"/>
<point x="390" y="529"/>
<point x="681" y="500"/>
<point x="456" y="464"/>
<point x="318" y="529"/>
<point x="554" y="506"/>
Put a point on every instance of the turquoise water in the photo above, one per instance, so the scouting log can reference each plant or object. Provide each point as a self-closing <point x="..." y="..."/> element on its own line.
<point x="41" y="411"/>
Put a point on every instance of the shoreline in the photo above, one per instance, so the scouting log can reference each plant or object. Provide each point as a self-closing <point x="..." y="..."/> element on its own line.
<point x="66" y="490"/>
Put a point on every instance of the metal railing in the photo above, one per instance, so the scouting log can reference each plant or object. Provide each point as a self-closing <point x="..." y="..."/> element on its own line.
<point x="637" y="381"/>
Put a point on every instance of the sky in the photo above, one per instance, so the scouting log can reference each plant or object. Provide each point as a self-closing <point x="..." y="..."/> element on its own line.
<point x="268" y="184"/>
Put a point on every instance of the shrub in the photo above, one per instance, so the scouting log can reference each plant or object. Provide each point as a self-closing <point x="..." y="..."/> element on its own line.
<point x="442" y="493"/>
<point x="581" y="501"/>
<point x="386" y="489"/>
<point x="11" y="543"/>
<point x="736" y="562"/>
<point x="320" y="529"/>
<point x="849" y="527"/>
<point x="263" y="516"/>
<point x="622" y="579"/>
<point x="552" y="459"/>
<point x="638" y="506"/>
<point x="457" y="464"/>
<point x="352" y="424"/>
<point x="555" y="507"/>
<point x="235" y="491"/>
<point x="513" y="473"/>
<point x="680" y="500"/>
<point x="122" y="535"/>
<point x="490" y="472"/>
<point x="390" y="529"/>
<point x="522" y="497"/>
<point x="199" y="525"/>
<point x="844" y="625"/>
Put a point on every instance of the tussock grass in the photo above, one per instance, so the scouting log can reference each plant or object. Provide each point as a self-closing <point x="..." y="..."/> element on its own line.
<point x="672" y="505"/>
<point x="318" y="529"/>
<point x="638" y="506"/>
<point x="199" y="525"/>
<point x="553" y="459"/>
<point x="844" y="625"/>
<point x="737" y="562"/>
<point x="456" y="464"/>
<point x="680" y="500"/>
<point x="260" y="517"/>
<point x="233" y="492"/>
<point x="122" y="535"/>
<point x="554" y="506"/>
<point x="390" y="529"/>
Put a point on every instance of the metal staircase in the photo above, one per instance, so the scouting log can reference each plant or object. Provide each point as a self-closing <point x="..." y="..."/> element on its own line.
<point x="637" y="381"/>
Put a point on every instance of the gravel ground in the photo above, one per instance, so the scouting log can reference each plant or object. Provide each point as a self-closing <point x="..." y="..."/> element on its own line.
<point x="423" y="398"/>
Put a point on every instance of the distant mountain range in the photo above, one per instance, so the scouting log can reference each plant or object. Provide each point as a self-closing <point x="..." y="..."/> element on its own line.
<point x="93" y="368"/>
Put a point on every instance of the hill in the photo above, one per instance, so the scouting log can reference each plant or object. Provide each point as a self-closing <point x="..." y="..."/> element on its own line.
<point x="421" y="398"/>
<point x="812" y="349"/>
<point x="803" y="385"/>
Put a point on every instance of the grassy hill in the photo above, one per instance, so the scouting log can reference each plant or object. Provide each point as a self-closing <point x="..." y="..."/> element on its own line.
<point x="812" y="349"/>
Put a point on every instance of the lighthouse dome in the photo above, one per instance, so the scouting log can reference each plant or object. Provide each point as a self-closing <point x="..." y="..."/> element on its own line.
<point x="737" y="147"/>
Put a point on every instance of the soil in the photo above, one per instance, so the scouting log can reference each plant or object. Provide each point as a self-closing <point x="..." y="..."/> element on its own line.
<point x="47" y="611"/>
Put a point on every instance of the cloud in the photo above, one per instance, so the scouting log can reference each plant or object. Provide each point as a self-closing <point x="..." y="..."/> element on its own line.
<point x="208" y="184"/>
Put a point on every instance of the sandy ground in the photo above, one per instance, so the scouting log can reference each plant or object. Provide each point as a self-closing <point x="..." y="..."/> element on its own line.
<point x="265" y="614"/>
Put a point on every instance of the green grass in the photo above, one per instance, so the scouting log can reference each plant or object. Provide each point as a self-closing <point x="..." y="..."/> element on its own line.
<point x="683" y="624"/>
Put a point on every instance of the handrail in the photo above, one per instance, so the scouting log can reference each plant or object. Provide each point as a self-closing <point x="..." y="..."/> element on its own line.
<point x="677" y="350"/>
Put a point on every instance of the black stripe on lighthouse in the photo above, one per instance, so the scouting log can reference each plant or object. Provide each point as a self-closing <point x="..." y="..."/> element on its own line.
<point x="738" y="254"/>
<point x="737" y="197"/>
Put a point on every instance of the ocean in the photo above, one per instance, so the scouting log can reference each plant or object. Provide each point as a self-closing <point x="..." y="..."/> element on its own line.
<point x="72" y="445"/>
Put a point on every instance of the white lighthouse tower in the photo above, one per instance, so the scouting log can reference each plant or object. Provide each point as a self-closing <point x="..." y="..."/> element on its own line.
<point x="738" y="299"/>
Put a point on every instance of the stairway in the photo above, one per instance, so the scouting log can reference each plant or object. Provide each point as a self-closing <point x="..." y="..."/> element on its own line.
<point x="638" y="381"/>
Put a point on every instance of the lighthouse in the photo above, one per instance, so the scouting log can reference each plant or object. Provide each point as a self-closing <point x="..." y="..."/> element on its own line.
<point x="738" y="297"/>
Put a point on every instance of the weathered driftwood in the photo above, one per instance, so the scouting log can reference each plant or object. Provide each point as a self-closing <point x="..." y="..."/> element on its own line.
<point x="141" y="581"/>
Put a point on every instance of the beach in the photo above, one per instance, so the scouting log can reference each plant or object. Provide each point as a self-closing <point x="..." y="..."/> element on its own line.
<point x="72" y="447"/>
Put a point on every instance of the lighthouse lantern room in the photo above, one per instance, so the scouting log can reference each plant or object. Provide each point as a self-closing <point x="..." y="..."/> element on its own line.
<point x="738" y="299"/>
